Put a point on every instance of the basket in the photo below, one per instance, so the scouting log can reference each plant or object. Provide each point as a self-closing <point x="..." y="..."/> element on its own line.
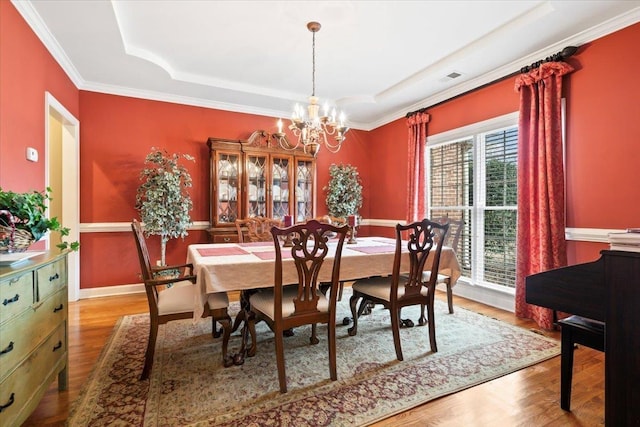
<point x="13" y="239"/>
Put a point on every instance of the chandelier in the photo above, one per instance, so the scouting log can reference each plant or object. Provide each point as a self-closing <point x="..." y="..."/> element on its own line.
<point x="311" y="129"/>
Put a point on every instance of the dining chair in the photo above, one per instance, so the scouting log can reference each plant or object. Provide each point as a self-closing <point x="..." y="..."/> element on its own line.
<point x="174" y="302"/>
<point x="285" y="307"/>
<point x="258" y="229"/>
<point x="453" y="241"/>
<point x="394" y="292"/>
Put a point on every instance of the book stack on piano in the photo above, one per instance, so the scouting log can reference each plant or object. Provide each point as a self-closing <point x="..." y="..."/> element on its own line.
<point x="626" y="241"/>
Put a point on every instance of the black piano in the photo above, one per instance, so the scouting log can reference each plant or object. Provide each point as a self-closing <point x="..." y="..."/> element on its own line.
<point x="608" y="290"/>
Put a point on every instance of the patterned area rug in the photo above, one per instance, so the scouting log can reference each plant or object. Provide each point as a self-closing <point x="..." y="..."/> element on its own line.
<point x="190" y="387"/>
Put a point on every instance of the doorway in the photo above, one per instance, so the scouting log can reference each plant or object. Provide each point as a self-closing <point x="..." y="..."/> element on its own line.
<point x="62" y="166"/>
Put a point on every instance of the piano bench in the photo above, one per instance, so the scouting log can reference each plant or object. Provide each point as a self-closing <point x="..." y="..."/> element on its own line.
<point x="576" y="330"/>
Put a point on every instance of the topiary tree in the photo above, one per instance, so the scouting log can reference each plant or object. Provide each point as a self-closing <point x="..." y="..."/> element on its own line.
<point x="162" y="199"/>
<point x="344" y="191"/>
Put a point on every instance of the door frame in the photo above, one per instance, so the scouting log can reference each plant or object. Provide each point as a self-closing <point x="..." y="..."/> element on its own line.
<point x="70" y="182"/>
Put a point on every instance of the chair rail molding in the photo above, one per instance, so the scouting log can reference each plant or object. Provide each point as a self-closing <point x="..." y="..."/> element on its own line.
<point x="114" y="227"/>
<point x="598" y="235"/>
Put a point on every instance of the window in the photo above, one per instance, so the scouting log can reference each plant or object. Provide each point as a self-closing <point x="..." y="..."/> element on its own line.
<point x="472" y="175"/>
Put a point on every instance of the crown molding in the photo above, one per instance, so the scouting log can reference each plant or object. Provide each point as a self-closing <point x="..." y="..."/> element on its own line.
<point x="612" y="25"/>
<point x="33" y="19"/>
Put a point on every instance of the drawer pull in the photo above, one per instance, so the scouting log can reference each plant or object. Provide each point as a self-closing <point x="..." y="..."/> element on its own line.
<point x="58" y="308"/>
<point x="10" y="300"/>
<point x="54" y="277"/>
<point x="57" y="346"/>
<point x="9" y="403"/>
<point x="227" y="239"/>
<point x="8" y="349"/>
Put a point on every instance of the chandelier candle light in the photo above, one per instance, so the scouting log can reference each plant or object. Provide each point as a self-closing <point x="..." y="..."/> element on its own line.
<point x="312" y="129"/>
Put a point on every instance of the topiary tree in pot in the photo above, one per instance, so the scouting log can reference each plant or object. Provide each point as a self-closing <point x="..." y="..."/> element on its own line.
<point x="344" y="191"/>
<point x="162" y="199"/>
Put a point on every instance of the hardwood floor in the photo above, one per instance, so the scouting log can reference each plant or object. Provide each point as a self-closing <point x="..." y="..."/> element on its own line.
<point x="529" y="397"/>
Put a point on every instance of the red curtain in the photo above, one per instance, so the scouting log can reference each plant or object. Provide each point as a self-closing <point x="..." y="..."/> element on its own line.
<point x="416" y="174"/>
<point x="541" y="241"/>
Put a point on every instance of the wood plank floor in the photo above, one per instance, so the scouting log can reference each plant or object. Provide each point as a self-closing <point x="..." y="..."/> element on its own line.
<point x="529" y="397"/>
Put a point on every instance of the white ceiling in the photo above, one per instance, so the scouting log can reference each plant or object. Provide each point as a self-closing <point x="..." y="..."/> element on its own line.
<point x="376" y="60"/>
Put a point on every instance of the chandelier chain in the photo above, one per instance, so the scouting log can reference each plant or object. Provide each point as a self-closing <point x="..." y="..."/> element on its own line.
<point x="313" y="72"/>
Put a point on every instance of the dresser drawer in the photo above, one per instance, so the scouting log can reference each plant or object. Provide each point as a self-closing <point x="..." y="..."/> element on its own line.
<point x="17" y="390"/>
<point x="51" y="278"/>
<point x="225" y="238"/>
<point x="25" y="332"/>
<point x="16" y="295"/>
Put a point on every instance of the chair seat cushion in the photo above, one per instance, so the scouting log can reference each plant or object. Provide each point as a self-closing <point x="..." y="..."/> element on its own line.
<point x="263" y="301"/>
<point x="176" y="299"/>
<point x="179" y="298"/>
<point x="379" y="287"/>
<point x="218" y="300"/>
<point x="426" y="275"/>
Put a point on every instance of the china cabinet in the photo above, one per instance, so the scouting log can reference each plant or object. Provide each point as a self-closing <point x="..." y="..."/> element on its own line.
<point x="254" y="177"/>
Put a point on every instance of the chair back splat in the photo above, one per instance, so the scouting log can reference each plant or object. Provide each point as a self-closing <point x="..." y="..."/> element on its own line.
<point x="423" y="236"/>
<point x="422" y="247"/>
<point x="296" y="299"/>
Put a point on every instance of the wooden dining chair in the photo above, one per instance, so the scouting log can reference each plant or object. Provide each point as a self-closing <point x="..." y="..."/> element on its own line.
<point x="286" y="307"/>
<point x="175" y="302"/>
<point x="258" y="229"/>
<point x="453" y="241"/>
<point x="397" y="291"/>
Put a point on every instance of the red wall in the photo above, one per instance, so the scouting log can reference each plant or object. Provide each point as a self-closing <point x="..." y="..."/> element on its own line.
<point x="117" y="133"/>
<point x="27" y="70"/>
<point x="602" y="149"/>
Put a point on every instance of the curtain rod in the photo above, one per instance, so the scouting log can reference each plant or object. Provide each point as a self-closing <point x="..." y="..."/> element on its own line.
<point x="559" y="56"/>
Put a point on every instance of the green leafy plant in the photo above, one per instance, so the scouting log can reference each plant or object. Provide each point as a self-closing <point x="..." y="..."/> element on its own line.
<point x="162" y="199"/>
<point x="28" y="211"/>
<point x="344" y="191"/>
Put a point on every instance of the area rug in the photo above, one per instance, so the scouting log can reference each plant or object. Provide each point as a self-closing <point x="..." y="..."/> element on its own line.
<point x="190" y="387"/>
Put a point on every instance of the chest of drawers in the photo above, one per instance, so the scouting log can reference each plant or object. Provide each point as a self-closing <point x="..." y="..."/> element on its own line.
<point x="33" y="333"/>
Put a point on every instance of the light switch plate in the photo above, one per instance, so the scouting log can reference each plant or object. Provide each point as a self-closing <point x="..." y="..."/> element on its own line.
<point x="32" y="154"/>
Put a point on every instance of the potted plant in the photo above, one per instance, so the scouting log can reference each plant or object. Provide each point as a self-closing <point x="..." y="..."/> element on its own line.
<point x="344" y="191"/>
<point x="162" y="199"/>
<point x="23" y="221"/>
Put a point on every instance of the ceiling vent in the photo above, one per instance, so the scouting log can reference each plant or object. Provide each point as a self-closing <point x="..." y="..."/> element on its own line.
<point x="452" y="75"/>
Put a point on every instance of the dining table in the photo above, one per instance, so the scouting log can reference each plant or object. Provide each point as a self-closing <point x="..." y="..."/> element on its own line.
<point x="225" y="267"/>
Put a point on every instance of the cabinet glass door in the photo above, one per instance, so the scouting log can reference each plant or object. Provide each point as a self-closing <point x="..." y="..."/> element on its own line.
<point x="256" y="185"/>
<point x="304" y="190"/>
<point x="227" y="181"/>
<point x="280" y="178"/>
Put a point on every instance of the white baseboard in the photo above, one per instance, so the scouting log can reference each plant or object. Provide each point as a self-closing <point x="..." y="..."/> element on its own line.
<point x="107" y="291"/>
<point x="488" y="296"/>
